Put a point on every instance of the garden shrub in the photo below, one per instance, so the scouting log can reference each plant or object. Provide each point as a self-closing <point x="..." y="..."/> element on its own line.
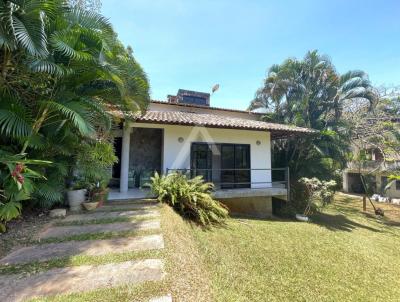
<point x="16" y="184"/>
<point x="308" y="195"/>
<point x="189" y="197"/>
<point x="318" y="193"/>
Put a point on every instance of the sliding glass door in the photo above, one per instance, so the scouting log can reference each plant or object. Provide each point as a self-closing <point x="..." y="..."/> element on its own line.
<point x="201" y="161"/>
<point x="227" y="165"/>
<point x="235" y="166"/>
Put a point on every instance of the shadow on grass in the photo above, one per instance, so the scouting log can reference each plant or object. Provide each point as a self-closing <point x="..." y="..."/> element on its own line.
<point x="339" y="223"/>
<point x="383" y="220"/>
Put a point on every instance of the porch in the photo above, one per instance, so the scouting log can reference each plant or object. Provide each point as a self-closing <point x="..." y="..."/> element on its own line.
<point x="228" y="183"/>
<point x="136" y="193"/>
<point x="239" y="169"/>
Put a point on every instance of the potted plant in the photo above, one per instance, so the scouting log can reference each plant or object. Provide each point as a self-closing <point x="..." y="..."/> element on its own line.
<point x="76" y="195"/>
<point x="90" y="205"/>
<point x="93" y="165"/>
<point x="100" y="192"/>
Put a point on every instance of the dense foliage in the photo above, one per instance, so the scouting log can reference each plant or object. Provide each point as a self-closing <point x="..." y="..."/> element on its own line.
<point x="16" y="184"/>
<point x="61" y="69"/>
<point x="375" y="131"/>
<point x="318" y="193"/>
<point x="189" y="197"/>
<point x="311" y="93"/>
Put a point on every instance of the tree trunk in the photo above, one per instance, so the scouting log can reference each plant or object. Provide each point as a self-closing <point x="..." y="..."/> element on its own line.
<point x="364" y="203"/>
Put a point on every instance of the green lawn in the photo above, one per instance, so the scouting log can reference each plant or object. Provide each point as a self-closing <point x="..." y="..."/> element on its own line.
<point x="343" y="255"/>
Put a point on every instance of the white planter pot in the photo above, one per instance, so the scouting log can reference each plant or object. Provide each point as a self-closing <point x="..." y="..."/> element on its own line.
<point x="75" y="199"/>
<point x="301" y="217"/>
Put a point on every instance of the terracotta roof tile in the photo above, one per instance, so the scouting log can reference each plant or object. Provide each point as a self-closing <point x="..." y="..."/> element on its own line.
<point x="216" y="121"/>
<point x="204" y="107"/>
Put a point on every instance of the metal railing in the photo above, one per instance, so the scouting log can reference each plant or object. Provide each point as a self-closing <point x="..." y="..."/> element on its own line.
<point x="241" y="178"/>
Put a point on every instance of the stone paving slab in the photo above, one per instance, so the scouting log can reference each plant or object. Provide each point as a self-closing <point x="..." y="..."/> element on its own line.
<point x="50" y="251"/>
<point x="167" y="298"/>
<point x="111" y="215"/>
<point x="15" y="288"/>
<point x="64" y="231"/>
<point x="128" y="206"/>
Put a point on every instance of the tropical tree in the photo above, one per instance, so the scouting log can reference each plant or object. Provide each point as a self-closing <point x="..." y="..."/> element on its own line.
<point x="311" y="93"/>
<point x="377" y="129"/>
<point x="92" y="5"/>
<point x="62" y="67"/>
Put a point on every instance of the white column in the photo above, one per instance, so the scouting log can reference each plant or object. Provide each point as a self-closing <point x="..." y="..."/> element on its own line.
<point x="345" y="182"/>
<point x="126" y="141"/>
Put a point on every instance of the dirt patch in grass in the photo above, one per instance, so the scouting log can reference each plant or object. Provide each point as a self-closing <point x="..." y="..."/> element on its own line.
<point x="21" y="231"/>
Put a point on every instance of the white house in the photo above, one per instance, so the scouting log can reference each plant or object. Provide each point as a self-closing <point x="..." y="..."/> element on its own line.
<point x="376" y="174"/>
<point x="231" y="148"/>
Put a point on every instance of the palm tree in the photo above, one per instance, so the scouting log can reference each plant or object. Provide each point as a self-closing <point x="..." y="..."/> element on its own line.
<point x="62" y="67"/>
<point x="74" y="67"/>
<point x="310" y="92"/>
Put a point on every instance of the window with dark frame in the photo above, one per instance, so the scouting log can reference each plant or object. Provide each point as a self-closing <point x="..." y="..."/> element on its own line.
<point x="227" y="165"/>
<point x="195" y="100"/>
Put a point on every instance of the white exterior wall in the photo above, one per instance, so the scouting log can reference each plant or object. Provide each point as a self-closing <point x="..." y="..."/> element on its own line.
<point x="391" y="192"/>
<point x="176" y="155"/>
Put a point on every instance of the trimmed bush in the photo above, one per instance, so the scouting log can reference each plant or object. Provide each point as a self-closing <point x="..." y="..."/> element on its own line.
<point x="189" y="197"/>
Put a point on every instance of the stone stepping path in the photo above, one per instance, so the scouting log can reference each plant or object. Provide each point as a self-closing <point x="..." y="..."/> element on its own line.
<point x="128" y="206"/>
<point x="111" y="215"/>
<point x="51" y="251"/>
<point x="15" y="288"/>
<point x="64" y="231"/>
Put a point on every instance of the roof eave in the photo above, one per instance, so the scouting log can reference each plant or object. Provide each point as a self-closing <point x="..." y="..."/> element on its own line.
<point x="275" y="133"/>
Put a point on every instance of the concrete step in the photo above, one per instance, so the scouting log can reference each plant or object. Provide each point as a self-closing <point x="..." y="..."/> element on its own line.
<point x="15" y="288"/>
<point x="66" y="231"/>
<point x="50" y="251"/>
<point x="111" y="215"/>
<point x="150" y="201"/>
<point x="127" y="207"/>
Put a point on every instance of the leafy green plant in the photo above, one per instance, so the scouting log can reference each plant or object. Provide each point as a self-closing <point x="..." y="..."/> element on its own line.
<point x="94" y="162"/>
<point x="319" y="193"/>
<point x="189" y="197"/>
<point x="16" y="185"/>
<point x="62" y="69"/>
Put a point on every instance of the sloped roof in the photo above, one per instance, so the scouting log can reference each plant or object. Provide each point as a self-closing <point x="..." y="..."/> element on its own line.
<point x="219" y="121"/>
<point x="205" y="107"/>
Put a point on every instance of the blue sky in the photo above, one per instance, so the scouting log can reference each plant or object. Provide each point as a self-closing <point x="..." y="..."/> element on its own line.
<point x="194" y="44"/>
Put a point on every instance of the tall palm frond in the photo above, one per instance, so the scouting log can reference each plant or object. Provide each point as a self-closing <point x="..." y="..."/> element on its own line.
<point x="23" y="24"/>
<point x="75" y="112"/>
<point x="15" y="119"/>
